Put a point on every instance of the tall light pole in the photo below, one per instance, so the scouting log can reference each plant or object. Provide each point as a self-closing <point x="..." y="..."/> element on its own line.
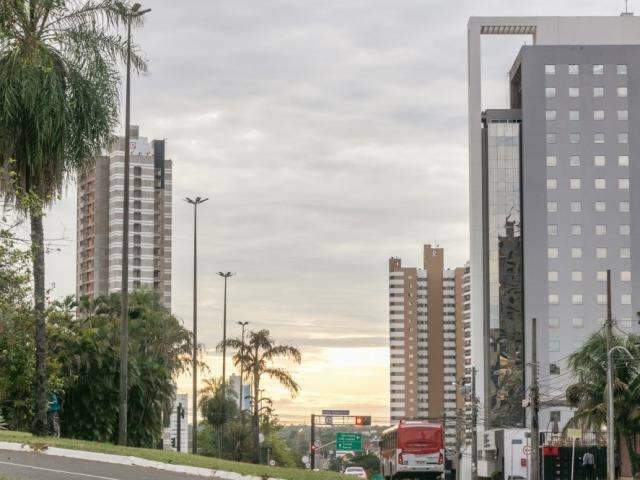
<point x="224" y="275"/>
<point x="243" y="325"/>
<point x="197" y="201"/>
<point x="134" y="12"/>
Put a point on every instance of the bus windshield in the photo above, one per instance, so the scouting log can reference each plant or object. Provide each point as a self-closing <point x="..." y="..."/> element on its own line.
<point x="420" y="439"/>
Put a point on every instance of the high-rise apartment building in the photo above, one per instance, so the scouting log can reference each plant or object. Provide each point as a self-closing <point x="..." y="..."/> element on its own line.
<point x="553" y="190"/>
<point x="100" y="220"/>
<point x="426" y="333"/>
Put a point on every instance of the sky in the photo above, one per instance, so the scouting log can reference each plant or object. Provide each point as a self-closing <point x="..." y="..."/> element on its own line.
<point x="329" y="136"/>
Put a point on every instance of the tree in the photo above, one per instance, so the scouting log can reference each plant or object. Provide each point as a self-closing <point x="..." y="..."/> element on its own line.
<point x="255" y="357"/>
<point x="588" y="395"/>
<point x="85" y="352"/>
<point x="218" y="406"/>
<point x="59" y="99"/>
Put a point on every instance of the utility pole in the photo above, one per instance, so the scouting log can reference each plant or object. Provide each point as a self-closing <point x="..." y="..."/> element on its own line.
<point x="312" y="456"/>
<point x="535" y="404"/>
<point x="123" y="394"/>
<point x="179" y="417"/>
<point x="611" y="466"/>
<point x="241" y="400"/>
<point x="224" y="334"/>
<point x="195" y="203"/>
<point x="474" y="426"/>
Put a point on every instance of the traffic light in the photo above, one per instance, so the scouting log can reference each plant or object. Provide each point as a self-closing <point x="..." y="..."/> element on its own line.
<point x="173" y="442"/>
<point x="363" y="420"/>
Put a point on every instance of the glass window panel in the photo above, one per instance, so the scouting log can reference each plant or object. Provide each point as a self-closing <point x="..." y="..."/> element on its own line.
<point x="575" y="183"/>
<point x="551" y="114"/>
<point x="552" y="207"/>
<point x="600" y="207"/>
<point x="576" y="299"/>
<point x="622" y="92"/>
<point x="625" y="252"/>
<point x="625" y="276"/>
<point x="601" y="252"/>
<point x="625" y="299"/>
<point x="597" y="138"/>
<point x="623" y="160"/>
<point x="601" y="229"/>
<point x="552" y="183"/>
<point x="554" y="322"/>
<point x="576" y="207"/>
<point x="597" y="92"/>
<point x="550" y="69"/>
<point x="600" y="183"/>
<point x="550" y="92"/>
<point x="574" y="92"/>
<point x="574" y="115"/>
<point x="598" y="114"/>
<point x="601" y="299"/>
<point x="574" y="160"/>
<point x="623" y="114"/>
<point x="552" y="230"/>
<point x="623" y="137"/>
<point x="576" y="252"/>
<point x="552" y="275"/>
<point x="574" y="69"/>
<point x="624" y="207"/>
<point x="552" y="252"/>
<point x="575" y="138"/>
<point x="601" y="275"/>
<point x="577" y="322"/>
<point x="621" y="69"/>
<point x="576" y="229"/>
<point x="623" y="184"/>
<point x="554" y="346"/>
<point x="576" y="276"/>
<point x="552" y="161"/>
<point x="598" y="69"/>
<point x="624" y="229"/>
<point x="554" y="299"/>
<point x="551" y="138"/>
<point x="599" y="160"/>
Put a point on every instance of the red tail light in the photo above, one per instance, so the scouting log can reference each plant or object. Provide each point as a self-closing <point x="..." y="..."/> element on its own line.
<point x="440" y="458"/>
<point x="400" y="459"/>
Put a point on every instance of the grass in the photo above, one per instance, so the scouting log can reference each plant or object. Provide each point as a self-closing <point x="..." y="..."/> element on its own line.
<point x="168" y="457"/>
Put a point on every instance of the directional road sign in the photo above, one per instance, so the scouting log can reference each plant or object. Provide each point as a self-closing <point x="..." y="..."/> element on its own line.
<point x="336" y="413"/>
<point x="348" y="442"/>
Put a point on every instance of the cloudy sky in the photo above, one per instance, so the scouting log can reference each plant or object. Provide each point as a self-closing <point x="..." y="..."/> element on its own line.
<point x="329" y="136"/>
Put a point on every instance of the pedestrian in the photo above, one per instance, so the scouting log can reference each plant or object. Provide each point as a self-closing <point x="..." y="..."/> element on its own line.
<point x="53" y="414"/>
<point x="588" y="465"/>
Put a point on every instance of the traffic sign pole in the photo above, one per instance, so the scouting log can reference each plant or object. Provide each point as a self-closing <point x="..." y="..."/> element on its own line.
<point x="312" y="450"/>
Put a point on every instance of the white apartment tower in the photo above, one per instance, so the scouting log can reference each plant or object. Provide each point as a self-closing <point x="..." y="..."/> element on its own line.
<point x="100" y="220"/>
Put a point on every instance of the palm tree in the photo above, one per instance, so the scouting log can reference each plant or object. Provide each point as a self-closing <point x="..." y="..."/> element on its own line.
<point x="588" y="395"/>
<point x="255" y="356"/>
<point x="59" y="97"/>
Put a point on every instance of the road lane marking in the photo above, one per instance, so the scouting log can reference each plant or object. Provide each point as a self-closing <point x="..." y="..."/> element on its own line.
<point x="57" y="471"/>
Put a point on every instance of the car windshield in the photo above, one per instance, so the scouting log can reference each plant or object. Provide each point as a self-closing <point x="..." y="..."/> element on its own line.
<point x="421" y="438"/>
<point x="353" y="470"/>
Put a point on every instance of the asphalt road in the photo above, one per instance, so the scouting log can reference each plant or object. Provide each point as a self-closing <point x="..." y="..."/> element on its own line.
<point x="36" y="466"/>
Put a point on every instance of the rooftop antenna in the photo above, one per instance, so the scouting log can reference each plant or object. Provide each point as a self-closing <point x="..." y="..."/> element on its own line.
<point x="626" y="12"/>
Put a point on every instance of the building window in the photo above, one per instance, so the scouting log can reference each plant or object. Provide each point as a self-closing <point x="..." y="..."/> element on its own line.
<point x="623" y="161"/>
<point x="621" y="69"/>
<point x="554" y="346"/>
<point x="574" y="115"/>
<point x="137" y="239"/>
<point x="576" y="252"/>
<point x="554" y="369"/>
<point x="623" y="114"/>
<point x="599" y="183"/>
<point x="601" y="252"/>
<point x="552" y="252"/>
<point x="574" y="138"/>
<point x="576" y="276"/>
<point x="576" y="299"/>
<point x="552" y="183"/>
<point x="552" y="207"/>
<point x="625" y="276"/>
<point x="623" y="184"/>
<point x="623" y="137"/>
<point x="601" y="276"/>
<point x="137" y="227"/>
<point x="598" y="114"/>
<point x="551" y="138"/>
<point x="136" y="273"/>
<point x="576" y="207"/>
<point x="600" y="207"/>
<point x="625" y="299"/>
<point x="624" y="229"/>
<point x="574" y="92"/>
<point x="599" y="160"/>
<point x="625" y="252"/>
<point x="597" y="92"/>
<point x="574" y="161"/>
<point x="550" y="69"/>
<point x="576" y="229"/>
<point x="598" y="69"/>
<point x="550" y="92"/>
<point x="137" y="171"/>
<point x="552" y="161"/>
<point x="601" y="229"/>
<point x="598" y="138"/>
<point x="554" y="299"/>
<point x="137" y="204"/>
<point x="574" y="69"/>
<point x="552" y="230"/>
<point x="552" y="114"/>
<point x="554" y="322"/>
<point x="575" y="183"/>
<point x="622" y="92"/>
<point x="552" y="276"/>
<point x="624" y="207"/>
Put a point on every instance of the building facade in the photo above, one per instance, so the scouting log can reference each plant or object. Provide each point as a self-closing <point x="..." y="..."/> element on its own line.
<point x="426" y="341"/>
<point x="100" y="220"/>
<point x="552" y="201"/>
<point x="170" y="440"/>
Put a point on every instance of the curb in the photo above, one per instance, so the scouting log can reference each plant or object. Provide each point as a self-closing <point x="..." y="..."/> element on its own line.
<point x="129" y="461"/>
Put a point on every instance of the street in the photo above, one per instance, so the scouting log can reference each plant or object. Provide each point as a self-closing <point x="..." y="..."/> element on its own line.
<point x="28" y="466"/>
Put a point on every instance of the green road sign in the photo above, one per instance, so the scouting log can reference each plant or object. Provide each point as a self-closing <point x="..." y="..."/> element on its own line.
<point x="348" y="442"/>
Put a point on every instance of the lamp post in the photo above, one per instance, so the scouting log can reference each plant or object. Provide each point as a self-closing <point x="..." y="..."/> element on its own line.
<point x="195" y="202"/>
<point x="224" y="275"/>
<point x="243" y="325"/>
<point x="123" y="400"/>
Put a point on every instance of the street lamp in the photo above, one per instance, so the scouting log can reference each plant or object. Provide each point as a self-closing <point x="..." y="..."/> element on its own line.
<point x="134" y="12"/>
<point x="224" y="333"/>
<point x="243" y="325"/>
<point x="611" y="465"/>
<point x="195" y="203"/>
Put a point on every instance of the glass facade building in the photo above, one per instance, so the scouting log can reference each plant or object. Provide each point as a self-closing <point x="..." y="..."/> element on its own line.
<point x="503" y="267"/>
